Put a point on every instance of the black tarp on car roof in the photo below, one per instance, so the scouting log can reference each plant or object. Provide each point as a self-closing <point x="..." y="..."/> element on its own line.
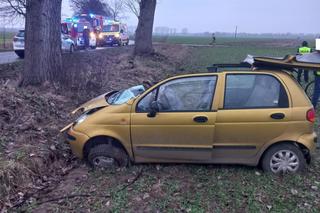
<point x="307" y="61"/>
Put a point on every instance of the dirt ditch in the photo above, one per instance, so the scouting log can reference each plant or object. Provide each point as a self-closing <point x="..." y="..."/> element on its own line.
<point x="33" y="155"/>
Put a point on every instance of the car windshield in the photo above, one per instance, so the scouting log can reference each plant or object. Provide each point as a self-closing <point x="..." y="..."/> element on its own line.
<point x="111" y="28"/>
<point x="123" y="96"/>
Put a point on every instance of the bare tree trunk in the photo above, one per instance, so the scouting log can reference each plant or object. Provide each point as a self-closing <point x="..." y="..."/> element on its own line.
<point x="143" y="39"/>
<point x="43" y="60"/>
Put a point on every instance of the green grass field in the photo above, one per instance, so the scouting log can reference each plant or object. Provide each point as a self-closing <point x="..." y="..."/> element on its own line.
<point x="6" y="41"/>
<point x="230" y="50"/>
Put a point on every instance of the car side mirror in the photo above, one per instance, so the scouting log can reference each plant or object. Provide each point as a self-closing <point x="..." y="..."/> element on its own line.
<point x="121" y="31"/>
<point x="154" y="109"/>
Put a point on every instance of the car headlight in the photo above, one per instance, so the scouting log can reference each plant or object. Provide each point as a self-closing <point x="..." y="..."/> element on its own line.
<point x="92" y="35"/>
<point x="81" y="119"/>
<point x="117" y="35"/>
<point x="100" y="36"/>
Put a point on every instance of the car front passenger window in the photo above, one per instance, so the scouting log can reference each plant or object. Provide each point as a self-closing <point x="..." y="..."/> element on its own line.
<point x="187" y="94"/>
<point x="145" y="103"/>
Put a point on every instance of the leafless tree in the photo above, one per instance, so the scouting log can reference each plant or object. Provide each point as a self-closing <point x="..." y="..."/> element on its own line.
<point x="116" y="7"/>
<point x="13" y="8"/>
<point x="133" y="6"/>
<point x="90" y="6"/>
<point x="143" y="38"/>
<point x="43" y="61"/>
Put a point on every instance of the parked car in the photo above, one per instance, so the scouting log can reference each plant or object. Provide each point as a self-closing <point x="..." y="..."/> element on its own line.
<point x="18" y="44"/>
<point x="251" y="117"/>
<point x="67" y="45"/>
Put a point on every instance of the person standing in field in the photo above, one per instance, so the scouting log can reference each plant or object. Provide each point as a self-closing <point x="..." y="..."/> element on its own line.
<point x="213" y="39"/>
<point x="304" y="49"/>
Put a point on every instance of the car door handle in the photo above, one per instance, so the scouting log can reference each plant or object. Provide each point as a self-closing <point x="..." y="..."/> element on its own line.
<point x="278" y="116"/>
<point x="200" y="119"/>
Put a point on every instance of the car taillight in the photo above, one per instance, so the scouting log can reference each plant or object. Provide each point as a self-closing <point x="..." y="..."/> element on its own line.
<point x="15" y="39"/>
<point x="311" y="115"/>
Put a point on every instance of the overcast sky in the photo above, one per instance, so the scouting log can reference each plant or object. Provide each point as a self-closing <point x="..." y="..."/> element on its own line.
<point x="252" y="16"/>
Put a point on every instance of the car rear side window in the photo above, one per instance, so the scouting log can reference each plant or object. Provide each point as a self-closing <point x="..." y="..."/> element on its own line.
<point x="247" y="91"/>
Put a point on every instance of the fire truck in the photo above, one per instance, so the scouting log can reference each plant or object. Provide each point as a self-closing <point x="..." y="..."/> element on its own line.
<point x="76" y="26"/>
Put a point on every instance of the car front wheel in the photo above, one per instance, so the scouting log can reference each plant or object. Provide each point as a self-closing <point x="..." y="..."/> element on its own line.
<point x="71" y="48"/>
<point x="107" y="156"/>
<point x="284" y="158"/>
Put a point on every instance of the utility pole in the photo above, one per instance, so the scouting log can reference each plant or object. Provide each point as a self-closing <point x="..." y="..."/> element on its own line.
<point x="236" y="32"/>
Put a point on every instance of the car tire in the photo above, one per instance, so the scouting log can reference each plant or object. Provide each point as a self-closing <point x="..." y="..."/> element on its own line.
<point x="71" y="48"/>
<point x="283" y="158"/>
<point x="20" y="53"/>
<point x="93" y="47"/>
<point x="107" y="156"/>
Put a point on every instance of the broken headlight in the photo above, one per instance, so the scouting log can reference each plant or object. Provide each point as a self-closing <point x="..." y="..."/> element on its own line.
<point x="81" y="118"/>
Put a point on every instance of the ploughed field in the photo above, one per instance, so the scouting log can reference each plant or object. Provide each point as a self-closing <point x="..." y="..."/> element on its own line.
<point x="38" y="173"/>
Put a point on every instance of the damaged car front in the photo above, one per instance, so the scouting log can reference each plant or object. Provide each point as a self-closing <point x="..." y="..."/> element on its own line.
<point x="107" y="114"/>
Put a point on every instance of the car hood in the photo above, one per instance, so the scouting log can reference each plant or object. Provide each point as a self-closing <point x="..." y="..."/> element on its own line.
<point x="97" y="102"/>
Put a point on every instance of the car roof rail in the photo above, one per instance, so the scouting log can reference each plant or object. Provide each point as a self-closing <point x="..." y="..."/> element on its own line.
<point x="223" y="67"/>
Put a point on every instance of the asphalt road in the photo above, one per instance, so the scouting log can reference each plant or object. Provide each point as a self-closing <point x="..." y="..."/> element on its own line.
<point x="10" y="56"/>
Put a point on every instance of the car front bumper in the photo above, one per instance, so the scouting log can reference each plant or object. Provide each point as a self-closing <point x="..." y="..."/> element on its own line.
<point x="77" y="141"/>
<point x="109" y="40"/>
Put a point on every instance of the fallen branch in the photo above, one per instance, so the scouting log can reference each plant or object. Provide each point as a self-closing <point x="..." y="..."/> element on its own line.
<point x="91" y="195"/>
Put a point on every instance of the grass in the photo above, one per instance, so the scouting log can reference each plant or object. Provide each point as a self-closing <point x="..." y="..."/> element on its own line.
<point x="203" y="57"/>
<point x="230" y="50"/>
<point x="6" y="41"/>
<point x="198" y="188"/>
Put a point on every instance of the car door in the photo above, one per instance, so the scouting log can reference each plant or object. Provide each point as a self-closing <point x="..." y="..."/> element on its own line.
<point x="183" y="128"/>
<point x="255" y="110"/>
<point x="64" y="42"/>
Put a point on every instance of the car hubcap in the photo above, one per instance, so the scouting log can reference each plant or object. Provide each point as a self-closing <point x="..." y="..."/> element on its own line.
<point x="284" y="161"/>
<point x="103" y="162"/>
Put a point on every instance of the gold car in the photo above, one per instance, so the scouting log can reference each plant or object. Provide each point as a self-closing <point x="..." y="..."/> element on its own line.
<point x="232" y="117"/>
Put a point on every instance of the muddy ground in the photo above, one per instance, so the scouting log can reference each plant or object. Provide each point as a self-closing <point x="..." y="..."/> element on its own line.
<point x="38" y="173"/>
<point x="33" y="155"/>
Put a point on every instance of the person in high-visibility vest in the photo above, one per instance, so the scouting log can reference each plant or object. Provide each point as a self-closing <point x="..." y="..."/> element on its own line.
<point x="304" y="49"/>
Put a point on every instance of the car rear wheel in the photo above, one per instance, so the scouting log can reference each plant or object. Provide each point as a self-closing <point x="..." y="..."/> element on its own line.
<point x="106" y="156"/>
<point x="19" y="53"/>
<point x="284" y="158"/>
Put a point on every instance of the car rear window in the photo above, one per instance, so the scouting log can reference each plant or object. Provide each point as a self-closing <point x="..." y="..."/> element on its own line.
<point x="20" y="34"/>
<point x="247" y="91"/>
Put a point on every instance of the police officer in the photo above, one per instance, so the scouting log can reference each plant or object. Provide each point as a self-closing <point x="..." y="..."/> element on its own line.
<point x="316" y="92"/>
<point x="304" y="49"/>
